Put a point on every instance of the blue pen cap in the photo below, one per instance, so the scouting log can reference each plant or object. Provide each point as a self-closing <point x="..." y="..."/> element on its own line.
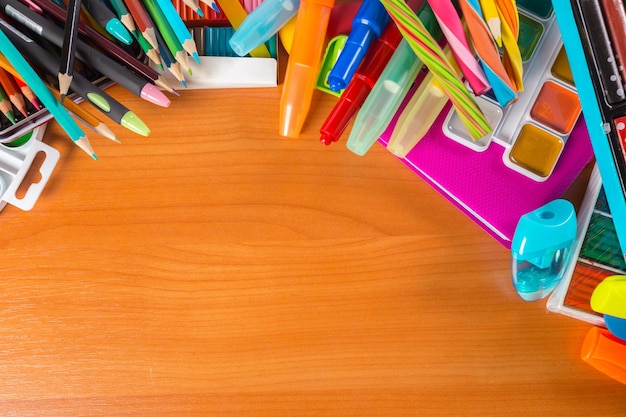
<point x="541" y="248"/>
<point x="262" y="23"/>
<point x="368" y="24"/>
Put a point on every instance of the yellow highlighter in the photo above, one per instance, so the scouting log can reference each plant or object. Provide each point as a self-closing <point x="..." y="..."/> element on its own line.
<point x="418" y="116"/>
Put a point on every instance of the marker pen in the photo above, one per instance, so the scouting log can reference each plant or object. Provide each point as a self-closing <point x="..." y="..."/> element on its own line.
<point x="361" y="85"/>
<point x="303" y="66"/>
<point x="107" y="19"/>
<point x="368" y="24"/>
<point x="262" y="23"/>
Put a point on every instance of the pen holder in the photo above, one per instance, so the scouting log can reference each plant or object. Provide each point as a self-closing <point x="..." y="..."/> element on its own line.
<point x="541" y="247"/>
<point x="17" y="161"/>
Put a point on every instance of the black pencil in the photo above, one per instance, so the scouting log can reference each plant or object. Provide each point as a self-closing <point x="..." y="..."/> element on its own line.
<point x="66" y="71"/>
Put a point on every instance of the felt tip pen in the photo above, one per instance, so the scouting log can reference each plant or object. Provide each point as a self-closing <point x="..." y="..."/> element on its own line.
<point x="17" y="60"/>
<point x="261" y="24"/>
<point x="417" y="117"/>
<point x="367" y="25"/>
<point x="361" y="84"/>
<point x="303" y="65"/>
<point x="80" y="85"/>
<point x="107" y="19"/>
<point x="96" y="59"/>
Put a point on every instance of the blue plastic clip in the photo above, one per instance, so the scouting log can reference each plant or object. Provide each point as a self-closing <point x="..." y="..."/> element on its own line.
<point x="541" y="248"/>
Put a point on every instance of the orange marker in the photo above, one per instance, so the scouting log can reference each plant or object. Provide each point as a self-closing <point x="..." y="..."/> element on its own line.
<point x="605" y="352"/>
<point x="304" y="64"/>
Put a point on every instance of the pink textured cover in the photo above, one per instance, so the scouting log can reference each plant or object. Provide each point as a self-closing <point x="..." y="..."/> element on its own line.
<point x="479" y="183"/>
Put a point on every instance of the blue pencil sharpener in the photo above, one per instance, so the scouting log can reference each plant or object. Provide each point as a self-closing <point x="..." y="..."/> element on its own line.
<point x="541" y="248"/>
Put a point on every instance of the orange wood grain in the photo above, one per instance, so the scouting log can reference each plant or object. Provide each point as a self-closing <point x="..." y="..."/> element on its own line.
<point x="217" y="269"/>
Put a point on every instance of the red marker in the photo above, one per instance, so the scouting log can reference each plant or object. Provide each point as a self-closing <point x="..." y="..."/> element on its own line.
<point x="361" y="84"/>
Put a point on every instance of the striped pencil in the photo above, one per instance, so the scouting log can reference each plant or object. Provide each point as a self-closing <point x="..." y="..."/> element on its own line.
<point x="427" y="49"/>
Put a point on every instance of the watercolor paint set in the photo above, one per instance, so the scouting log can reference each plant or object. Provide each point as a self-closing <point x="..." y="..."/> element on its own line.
<point x="593" y="33"/>
<point x="220" y="66"/>
<point x="534" y="129"/>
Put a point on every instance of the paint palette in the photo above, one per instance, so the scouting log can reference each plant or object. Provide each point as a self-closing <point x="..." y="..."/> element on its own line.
<point x="534" y="129"/>
<point x="593" y="34"/>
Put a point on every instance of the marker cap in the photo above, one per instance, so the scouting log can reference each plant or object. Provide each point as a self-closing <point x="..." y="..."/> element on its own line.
<point x="605" y="352"/>
<point x="609" y="297"/>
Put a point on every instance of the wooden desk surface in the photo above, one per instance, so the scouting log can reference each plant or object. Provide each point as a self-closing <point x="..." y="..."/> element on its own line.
<point x="218" y="269"/>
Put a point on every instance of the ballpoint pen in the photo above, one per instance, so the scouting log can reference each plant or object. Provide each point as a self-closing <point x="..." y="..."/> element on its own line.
<point x="15" y="58"/>
<point x="262" y="23"/>
<point x="361" y="84"/>
<point x="96" y="59"/>
<point x="367" y="25"/>
<point x="303" y="65"/>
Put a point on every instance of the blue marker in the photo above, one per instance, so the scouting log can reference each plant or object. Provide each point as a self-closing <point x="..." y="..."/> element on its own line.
<point x="262" y="23"/>
<point x="369" y="22"/>
<point x="541" y="247"/>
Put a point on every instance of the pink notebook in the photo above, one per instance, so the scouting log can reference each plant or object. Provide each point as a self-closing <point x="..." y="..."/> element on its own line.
<point x="478" y="183"/>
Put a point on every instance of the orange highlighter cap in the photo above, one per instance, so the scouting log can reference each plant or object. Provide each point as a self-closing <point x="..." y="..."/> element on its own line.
<point x="605" y="352"/>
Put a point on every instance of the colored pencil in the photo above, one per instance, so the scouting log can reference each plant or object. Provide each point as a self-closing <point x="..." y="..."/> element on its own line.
<point x="87" y="54"/>
<point x="66" y="72"/>
<point x="28" y="93"/>
<point x="166" y="31"/>
<point x="492" y="18"/>
<point x="487" y="53"/>
<point x="141" y="68"/>
<point x="143" y="21"/>
<point x="15" y="58"/>
<point x="13" y="92"/>
<point x="112" y="108"/>
<point x="452" y="28"/>
<point x="5" y="106"/>
<point x="180" y="29"/>
<point x="427" y="49"/>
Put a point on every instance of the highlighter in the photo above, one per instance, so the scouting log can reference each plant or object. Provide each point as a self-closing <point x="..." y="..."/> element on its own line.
<point x="368" y="24"/>
<point x="605" y="352"/>
<point x="303" y="65"/>
<point x="609" y="297"/>
<point x="420" y="113"/>
<point x="418" y="116"/>
<point x="262" y="23"/>
<point x="384" y="99"/>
